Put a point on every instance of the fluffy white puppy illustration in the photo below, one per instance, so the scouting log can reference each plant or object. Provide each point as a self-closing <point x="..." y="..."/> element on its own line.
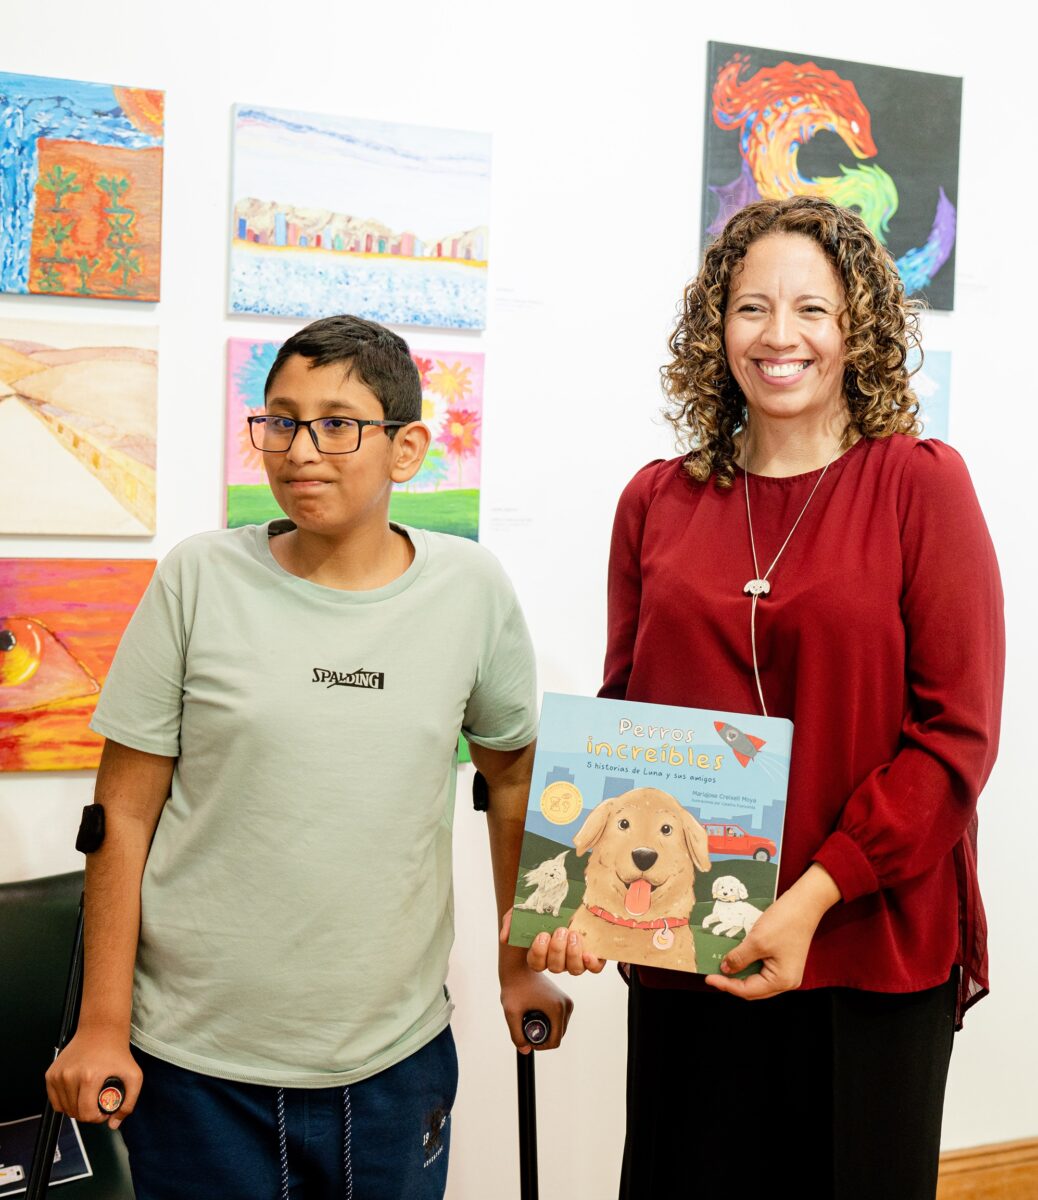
<point x="550" y="884"/>
<point x="731" y="914"/>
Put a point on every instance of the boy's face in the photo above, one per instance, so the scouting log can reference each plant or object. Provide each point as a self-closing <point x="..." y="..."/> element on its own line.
<point x="329" y="494"/>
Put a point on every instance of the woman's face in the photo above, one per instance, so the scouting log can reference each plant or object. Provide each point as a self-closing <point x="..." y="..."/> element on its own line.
<point x="783" y="332"/>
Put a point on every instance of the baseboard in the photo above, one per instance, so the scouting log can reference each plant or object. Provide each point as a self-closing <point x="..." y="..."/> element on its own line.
<point x="1004" y="1171"/>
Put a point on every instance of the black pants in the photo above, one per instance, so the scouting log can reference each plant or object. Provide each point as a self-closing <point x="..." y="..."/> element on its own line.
<point x="834" y="1094"/>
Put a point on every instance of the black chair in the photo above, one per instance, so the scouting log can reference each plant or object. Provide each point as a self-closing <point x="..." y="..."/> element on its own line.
<point x="37" y="925"/>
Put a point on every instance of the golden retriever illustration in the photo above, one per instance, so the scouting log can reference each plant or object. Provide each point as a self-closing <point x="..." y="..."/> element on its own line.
<point x="645" y="849"/>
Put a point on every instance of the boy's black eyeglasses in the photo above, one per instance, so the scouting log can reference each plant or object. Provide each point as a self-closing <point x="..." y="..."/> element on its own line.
<point x="331" y="435"/>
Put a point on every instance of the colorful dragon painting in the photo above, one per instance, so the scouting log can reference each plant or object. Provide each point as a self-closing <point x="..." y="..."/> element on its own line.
<point x="776" y="113"/>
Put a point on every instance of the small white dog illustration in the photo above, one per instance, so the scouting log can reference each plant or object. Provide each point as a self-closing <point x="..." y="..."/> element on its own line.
<point x="731" y="915"/>
<point x="550" y="885"/>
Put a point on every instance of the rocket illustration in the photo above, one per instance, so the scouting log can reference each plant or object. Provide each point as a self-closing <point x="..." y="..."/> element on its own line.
<point x="744" y="745"/>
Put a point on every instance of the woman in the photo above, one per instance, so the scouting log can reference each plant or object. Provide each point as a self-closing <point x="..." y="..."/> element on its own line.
<point x="810" y="557"/>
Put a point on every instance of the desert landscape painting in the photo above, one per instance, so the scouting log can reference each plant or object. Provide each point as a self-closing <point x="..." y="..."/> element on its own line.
<point x="77" y="428"/>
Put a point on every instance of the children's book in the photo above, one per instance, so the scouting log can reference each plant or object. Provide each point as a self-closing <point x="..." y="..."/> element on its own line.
<point x="654" y="831"/>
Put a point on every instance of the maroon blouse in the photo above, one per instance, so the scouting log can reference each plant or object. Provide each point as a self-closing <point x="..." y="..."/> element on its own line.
<point x="882" y="640"/>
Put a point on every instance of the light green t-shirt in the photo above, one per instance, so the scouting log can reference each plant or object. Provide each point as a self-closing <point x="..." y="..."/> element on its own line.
<point x="297" y="907"/>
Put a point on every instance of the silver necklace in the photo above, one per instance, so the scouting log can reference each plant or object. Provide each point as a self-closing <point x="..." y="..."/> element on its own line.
<point x="760" y="585"/>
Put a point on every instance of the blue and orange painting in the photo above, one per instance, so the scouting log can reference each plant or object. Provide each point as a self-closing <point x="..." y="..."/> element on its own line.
<point x="882" y="141"/>
<point x="80" y="188"/>
<point x="334" y="214"/>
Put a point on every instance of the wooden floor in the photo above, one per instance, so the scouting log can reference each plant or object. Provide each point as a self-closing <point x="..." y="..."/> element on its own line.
<point x="1005" y="1171"/>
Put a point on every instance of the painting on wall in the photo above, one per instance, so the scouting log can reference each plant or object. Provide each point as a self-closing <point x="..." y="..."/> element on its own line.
<point x="334" y="214"/>
<point x="932" y="386"/>
<point x="443" y="496"/>
<point x="60" y="622"/>
<point x="77" y="428"/>
<point x="882" y="141"/>
<point x="80" y="188"/>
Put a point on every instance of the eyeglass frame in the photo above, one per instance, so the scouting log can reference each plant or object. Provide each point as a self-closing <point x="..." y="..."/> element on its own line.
<point x="360" y="422"/>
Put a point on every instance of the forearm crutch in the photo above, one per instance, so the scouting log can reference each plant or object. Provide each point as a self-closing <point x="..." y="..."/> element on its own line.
<point x="110" y="1098"/>
<point x="536" y="1030"/>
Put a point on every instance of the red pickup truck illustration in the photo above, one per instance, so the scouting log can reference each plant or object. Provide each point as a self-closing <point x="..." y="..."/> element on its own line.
<point x="733" y="839"/>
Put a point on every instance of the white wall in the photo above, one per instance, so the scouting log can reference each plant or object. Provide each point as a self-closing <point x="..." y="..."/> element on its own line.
<point x="596" y="111"/>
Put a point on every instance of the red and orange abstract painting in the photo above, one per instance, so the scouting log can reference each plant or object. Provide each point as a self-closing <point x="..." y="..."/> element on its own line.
<point x="60" y="622"/>
<point x="879" y="140"/>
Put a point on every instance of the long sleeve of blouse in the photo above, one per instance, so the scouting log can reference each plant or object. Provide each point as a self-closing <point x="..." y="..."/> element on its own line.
<point x="883" y="642"/>
<point x="951" y="606"/>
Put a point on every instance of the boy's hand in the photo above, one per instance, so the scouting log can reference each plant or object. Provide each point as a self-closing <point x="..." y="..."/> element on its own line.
<point x="507" y="774"/>
<point x="523" y="990"/>
<point x="76" y="1076"/>
<point x="560" y="952"/>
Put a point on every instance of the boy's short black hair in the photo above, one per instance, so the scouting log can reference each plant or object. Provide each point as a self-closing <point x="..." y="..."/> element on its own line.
<point x="380" y="358"/>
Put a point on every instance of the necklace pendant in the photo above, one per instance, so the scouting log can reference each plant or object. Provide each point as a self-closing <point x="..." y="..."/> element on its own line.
<point x="757" y="587"/>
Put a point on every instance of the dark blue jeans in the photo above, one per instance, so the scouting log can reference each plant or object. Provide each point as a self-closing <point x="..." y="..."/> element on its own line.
<point x="195" y="1137"/>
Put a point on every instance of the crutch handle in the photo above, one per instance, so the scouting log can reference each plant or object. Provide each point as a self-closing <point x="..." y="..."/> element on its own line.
<point x="536" y="1027"/>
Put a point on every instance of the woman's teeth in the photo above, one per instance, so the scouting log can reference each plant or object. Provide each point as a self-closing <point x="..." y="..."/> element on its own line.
<point x="781" y="370"/>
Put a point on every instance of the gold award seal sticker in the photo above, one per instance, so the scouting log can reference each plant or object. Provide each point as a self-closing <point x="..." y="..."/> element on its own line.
<point x="561" y="802"/>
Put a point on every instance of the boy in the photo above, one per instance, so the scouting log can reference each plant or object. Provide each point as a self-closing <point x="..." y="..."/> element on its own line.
<point x="278" y="783"/>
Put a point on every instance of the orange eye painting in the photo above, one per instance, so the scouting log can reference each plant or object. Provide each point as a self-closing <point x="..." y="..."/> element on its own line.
<point x="60" y="623"/>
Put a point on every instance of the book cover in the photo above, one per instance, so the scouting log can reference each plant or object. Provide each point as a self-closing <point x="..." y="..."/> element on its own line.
<point x="654" y="831"/>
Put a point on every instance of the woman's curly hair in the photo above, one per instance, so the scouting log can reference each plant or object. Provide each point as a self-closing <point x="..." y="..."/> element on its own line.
<point x="705" y="404"/>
